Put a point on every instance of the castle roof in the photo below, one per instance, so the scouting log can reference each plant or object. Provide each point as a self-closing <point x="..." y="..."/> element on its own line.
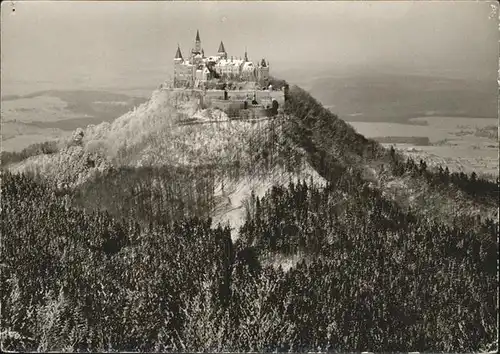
<point x="221" y="48"/>
<point x="178" y="55"/>
<point x="197" y="36"/>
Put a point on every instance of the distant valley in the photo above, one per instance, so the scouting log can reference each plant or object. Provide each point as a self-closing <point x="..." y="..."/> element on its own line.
<point x="53" y="114"/>
<point x="396" y="98"/>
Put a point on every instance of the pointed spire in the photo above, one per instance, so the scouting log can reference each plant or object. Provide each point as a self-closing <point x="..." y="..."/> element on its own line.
<point x="246" y="55"/>
<point x="197" y="44"/>
<point x="178" y="55"/>
<point x="221" y="48"/>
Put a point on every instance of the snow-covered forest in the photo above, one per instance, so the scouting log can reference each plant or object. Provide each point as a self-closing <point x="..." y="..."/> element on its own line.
<point x="109" y="242"/>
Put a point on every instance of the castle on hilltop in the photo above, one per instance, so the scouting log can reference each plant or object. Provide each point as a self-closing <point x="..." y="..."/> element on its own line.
<point x="198" y="69"/>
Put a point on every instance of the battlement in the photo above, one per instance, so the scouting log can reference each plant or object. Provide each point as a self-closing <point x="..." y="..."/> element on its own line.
<point x="265" y="102"/>
<point x="245" y="95"/>
<point x="237" y="103"/>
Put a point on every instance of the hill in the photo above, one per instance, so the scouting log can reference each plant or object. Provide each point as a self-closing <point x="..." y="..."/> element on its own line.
<point x="155" y="134"/>
<point x="329" y="140"/>
<point x="291" y="234"/>
<point x="169" y="132"/>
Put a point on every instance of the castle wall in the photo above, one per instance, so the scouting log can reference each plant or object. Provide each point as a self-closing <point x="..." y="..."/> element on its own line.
<point x="258" y="112"/>
<point x="279" y="96"/>
<point x="263" y="98"/>
<point x="235" y="104"/>
<point x="183" y="74"/>
<point x="240" y="95"/>
<point x="252" y="112"/>
<point x="227" y="105"/>
<point x="216" y="94"/>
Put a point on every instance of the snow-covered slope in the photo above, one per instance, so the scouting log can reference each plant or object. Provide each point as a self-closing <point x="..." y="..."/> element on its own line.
<point x="234" y="194"/>
<point x="170" y="130"/>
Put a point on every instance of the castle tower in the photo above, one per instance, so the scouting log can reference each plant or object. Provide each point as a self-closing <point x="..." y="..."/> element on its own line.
<point x="222" y="51"/>
<point x="263" y="72"/>
<point x="197" y="43"/>
<point x="178" y="55"/>
<point x="178" y="60"/>
<point x="246" y="55"/>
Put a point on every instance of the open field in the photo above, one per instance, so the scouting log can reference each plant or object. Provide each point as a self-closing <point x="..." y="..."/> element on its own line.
<point x="482" y="161"/>
<point x="462" y="144"/>
<point x="436" y="129"/>
<point x="54" y="114"/>
<point x="18" y="135"/>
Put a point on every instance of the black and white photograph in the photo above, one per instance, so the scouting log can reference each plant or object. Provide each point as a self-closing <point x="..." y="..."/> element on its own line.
<point x="249" y="176"/>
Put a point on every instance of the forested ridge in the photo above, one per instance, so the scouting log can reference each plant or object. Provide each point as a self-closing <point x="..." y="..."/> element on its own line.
<point x="130" y="260"/>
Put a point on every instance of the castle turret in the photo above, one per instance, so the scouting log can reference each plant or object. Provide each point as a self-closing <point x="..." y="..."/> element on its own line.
<point x="178" y="55"/>
<point x="246" y="55"/>
<point x="197" y="43"/>
<point x="178" y="60"/>
<point x="263" y="72"/>
<point x="222" y="51"/>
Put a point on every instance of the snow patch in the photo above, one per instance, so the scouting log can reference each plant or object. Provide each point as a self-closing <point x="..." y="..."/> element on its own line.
<point x="231" y="210"/>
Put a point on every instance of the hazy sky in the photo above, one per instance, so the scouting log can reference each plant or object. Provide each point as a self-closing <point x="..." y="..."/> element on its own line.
<point x="99" y="44"/>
